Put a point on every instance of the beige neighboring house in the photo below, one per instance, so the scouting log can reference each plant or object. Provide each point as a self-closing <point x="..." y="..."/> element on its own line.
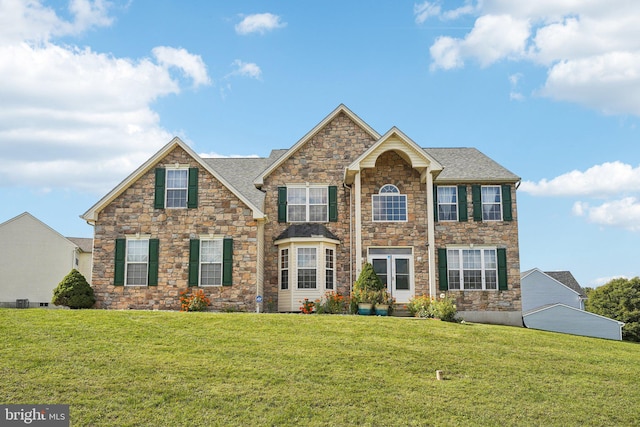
<point x="34" y="258"/>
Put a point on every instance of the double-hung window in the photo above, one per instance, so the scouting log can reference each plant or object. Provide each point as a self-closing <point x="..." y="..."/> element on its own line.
<point x="307" y="268"/>
<point x="389" y="205"/>
<point x="472" y="269"/>
<point x="329" y="278"/>
<point x="211" y="262"/>
<point x="177" y="187"/>
<point x="491" y="203"/>
<point x="447" y="197"/>
<point x="284" y="269"/>
<point x="137" y="262"/>
<point x="307" y="204"/>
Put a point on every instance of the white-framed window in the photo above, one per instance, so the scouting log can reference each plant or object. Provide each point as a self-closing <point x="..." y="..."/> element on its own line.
<point x="447" y="197"/>
<point x="307" y="263"/>
<point x="137" y="262"/>
<point x="472" y="268"/>
<point x="177" y="185"/>
<point x="307" y="204"/>
<point x="389" y="205"/>
<point x="284" y="269"/>
<point x="211" y="262"/>
<point x="491" y="203"/>
<point x="329" y="270"/>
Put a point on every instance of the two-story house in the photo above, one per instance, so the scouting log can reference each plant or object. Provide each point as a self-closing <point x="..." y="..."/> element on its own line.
<point x="303" y="221"/>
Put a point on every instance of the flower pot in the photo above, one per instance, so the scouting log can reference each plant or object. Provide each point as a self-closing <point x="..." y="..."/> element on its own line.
<point x="382" y="309"/>
<point x="365" y="308"/>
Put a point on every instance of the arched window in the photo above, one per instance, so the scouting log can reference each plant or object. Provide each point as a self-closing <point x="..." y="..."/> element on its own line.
<point x="389" y="204"/>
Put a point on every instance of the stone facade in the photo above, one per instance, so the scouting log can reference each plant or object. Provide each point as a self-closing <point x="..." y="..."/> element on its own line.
<point x="321" y="160"/>
<point x="219" y="212"/>
<point x="500" y="234"/>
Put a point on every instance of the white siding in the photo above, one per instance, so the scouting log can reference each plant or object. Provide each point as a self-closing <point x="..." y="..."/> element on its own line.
<point x="34" y="258"/>
<point x="569" y="320"/>
<point x="539" y="289"/>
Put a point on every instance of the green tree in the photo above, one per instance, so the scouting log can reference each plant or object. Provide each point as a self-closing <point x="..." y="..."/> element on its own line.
<point x="619" y="299"/>
<point x="74" y="291"/>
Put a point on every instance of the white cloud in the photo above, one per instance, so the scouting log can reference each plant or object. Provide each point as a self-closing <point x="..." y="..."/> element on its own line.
<point x="602" y="180"/>
<point x="247" y="69"/>
<point x="591" y="49"/>
<point x="259" y="23"/>
<point x="615" y="182"/>
<point x="191" y="65"/>
<point x="71" y="117"/>
<point x="425" y="10"/>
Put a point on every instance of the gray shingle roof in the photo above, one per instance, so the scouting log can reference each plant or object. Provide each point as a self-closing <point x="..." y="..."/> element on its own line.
<point x="460" y="165"/>
<point x="469" y="165"/>
<point x="567" y="279"/>
<point x="84" y="243"/>
<point x="241" y="171"/>
<point x="306" y="230"/>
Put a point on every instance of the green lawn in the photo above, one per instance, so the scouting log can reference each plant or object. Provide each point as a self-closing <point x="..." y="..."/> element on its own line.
<point x="199" y="369"/>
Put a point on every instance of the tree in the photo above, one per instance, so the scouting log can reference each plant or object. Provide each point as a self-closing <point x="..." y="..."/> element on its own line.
<point x="619" y="299"/>
<point x="74" y="291"/>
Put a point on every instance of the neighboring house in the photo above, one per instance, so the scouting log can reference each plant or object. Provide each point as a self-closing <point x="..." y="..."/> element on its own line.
<point x="554" y="301"/>
<point x="303" y="221"/>
<point x="34" y="258"/>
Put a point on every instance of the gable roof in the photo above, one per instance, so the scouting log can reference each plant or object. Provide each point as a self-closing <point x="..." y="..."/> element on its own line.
<point x="397" y="141"/>
<point x="564" y="278"/>
<point x="335" y="113"/>
<point x="92" y="214"/>
<point x="26" y="216"/>
<point x="85" y="244"/>
<point x="567" y="279"/>
<point x="566" y="307"/>
<point x="462" y="165"/>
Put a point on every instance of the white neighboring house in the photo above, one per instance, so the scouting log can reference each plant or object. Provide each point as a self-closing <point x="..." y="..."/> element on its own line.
<point x="34" y="258"/>
<point x="554" y="301"/>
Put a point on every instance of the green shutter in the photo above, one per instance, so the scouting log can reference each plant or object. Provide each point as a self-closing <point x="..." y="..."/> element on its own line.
<point x="192" y="193"/>
<point x="502" y="269"/>
<point x="506" y="203"/>
<point x="227" y="261"/>
<point x="476" y="198"/>
<point x="442" y="269"/>
<point x="194" y="261"/>
<point x="333" y="203"/>
<point x="158" y="202"/>
<point x="282" y="204"/>
<point x="463" y="215"/>
<point x="435" y="203"/>
<point x="154" y="246"/>
<point x="121" y="251"/>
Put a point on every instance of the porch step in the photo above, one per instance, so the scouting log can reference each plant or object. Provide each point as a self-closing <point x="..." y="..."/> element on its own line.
<point x="400" y="311"/>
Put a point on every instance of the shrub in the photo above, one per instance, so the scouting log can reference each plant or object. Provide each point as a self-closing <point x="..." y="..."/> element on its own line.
<point x="419" y="305"/>
<point x="307" y="306"/>
<point x="193" y="301"/>
<point x="368" y="280"/>
<point x="332" y="303"/>
<point x="443" y="309"/>
<point x="74" y="292"/>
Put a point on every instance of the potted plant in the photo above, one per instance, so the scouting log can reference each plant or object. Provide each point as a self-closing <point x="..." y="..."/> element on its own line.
<point x="365" y="290"/>
<point x="383" y="303"/>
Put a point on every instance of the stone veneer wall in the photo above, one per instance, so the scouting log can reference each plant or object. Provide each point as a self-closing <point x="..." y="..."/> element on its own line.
<point x="392" y="169"/>
<point x="219" y="212"/>
<point x="501" y="234"/>
<point x="322" y="160"/>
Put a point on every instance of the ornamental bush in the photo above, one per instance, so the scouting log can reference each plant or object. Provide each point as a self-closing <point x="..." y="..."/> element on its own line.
<point x="74" y="292"/>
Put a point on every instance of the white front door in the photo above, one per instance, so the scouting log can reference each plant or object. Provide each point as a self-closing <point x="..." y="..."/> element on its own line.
<point x="394" y="270"/>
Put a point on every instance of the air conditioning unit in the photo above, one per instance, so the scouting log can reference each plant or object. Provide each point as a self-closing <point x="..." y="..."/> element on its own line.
<point x="22" y="303"/>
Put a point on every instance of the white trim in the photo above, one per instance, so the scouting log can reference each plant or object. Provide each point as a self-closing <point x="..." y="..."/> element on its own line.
<point x="483" y="269"/>
<point x="482" y="203"/>
<point x="200" y="263"/>
<point x="135" y="238"/>
<point x="166" y="187"/>
<point x="431" y="250"/>
<point x="456" y="210"/>
<point x="307" y="203"/>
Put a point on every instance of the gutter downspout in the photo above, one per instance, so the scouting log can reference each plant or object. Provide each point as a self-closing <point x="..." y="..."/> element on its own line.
<point x="431" y="235"/>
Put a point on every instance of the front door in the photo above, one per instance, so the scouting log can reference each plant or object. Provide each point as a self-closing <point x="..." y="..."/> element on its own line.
<point x="394" y="270"/>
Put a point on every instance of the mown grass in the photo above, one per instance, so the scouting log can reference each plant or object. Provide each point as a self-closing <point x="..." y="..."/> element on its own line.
<point x="126" y="368"/>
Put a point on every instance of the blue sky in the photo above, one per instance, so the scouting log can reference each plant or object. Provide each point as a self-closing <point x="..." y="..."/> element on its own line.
<point x="550" y="89"/>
